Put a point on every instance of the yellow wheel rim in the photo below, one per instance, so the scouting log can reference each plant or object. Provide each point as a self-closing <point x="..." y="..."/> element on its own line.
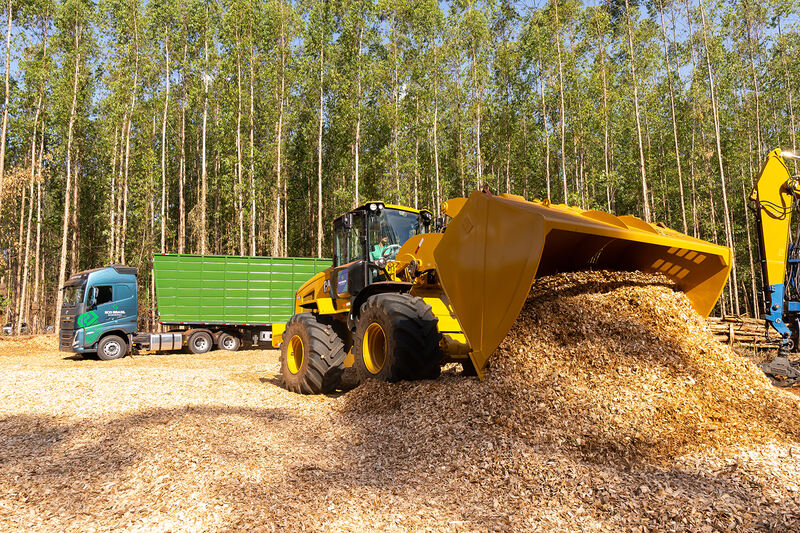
<point x="373" y="348"/>
<point x="295" y="354"/>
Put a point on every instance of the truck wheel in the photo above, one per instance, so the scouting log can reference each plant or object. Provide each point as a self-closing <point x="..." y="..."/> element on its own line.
<point x="200" y="342"/>
<point x="111" y="347"/>
<point x="397" y="338"/>
<point x="312" y="356"/>
<point x="229" y="342"/>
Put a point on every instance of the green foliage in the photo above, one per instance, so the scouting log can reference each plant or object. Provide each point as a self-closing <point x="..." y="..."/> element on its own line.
<point x="453" y="91"/>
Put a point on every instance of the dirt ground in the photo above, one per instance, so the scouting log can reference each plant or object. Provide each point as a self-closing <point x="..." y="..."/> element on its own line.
<point x="181" y="442"/>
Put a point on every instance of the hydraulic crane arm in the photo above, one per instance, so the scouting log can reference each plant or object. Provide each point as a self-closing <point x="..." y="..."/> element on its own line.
<point x="774" y="196"/>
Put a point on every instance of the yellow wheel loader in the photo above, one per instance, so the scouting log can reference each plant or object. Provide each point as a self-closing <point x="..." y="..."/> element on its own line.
<point x="402" y="298"/>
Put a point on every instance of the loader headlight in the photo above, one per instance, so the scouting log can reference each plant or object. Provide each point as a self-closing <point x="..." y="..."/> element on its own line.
<point x="412" y="268"/>
<point x="373" y="207"/>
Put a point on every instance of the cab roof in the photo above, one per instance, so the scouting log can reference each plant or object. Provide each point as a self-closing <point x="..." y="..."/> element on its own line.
<point x="81" y="276"/>
<point x="365" y="206"/>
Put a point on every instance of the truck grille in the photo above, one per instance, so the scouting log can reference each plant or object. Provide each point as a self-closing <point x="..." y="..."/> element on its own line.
<point x="67" y="329"/>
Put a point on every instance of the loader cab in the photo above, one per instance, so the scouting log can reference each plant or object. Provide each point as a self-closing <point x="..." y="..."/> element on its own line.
<point x="356" y="260"/>
<point x="358" y="232"/>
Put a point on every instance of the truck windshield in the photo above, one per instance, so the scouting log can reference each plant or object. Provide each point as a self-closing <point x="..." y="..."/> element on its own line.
<point x="73" y="294"/>
<point x="389" y="229"/>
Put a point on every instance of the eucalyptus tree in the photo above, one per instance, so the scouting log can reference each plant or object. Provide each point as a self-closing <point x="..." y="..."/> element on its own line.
<point x="35" y="65"/>
<point x="75" y="42"/>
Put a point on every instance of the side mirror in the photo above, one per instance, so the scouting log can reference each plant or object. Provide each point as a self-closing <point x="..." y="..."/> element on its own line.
<point x="92" y="302"/>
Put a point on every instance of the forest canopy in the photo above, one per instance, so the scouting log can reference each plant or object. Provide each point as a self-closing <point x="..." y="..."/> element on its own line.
<point x="245" y="126"/>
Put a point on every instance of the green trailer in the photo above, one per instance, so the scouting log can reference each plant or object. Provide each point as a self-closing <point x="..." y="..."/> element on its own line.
<point x="202" y="301"/>
<point x="224" y="290"/>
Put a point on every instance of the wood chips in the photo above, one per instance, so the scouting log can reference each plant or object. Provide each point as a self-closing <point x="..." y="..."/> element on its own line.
<point x="608" y="407"/>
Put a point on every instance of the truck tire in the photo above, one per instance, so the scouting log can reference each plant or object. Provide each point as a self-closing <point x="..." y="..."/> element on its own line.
<point x="229" y="342"/>
<point x="312" y="356"/>
<point x="200" y="342"/>
<point x="111" y="347"/>
<point x="397" y="338"/>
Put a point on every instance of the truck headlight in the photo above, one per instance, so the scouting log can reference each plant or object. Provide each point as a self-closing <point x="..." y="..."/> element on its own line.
<point x="75" y="342"/>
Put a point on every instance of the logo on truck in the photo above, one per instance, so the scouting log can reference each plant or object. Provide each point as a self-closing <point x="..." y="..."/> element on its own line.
<point x="341" y="281"/>
<point x="115" y="312"/>
<point x="87" y="319"/>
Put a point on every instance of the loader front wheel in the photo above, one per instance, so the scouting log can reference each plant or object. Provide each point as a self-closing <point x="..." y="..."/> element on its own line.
<point x="312" y="356"/>
<point x="397" y="338"/>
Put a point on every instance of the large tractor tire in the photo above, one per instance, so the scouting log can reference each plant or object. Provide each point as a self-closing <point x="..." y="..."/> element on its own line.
<point x="312" y="356"/>
<point x="397" y="338"/>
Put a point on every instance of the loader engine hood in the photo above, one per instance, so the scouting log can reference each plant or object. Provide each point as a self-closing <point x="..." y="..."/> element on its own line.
<point x="496" y="246"/>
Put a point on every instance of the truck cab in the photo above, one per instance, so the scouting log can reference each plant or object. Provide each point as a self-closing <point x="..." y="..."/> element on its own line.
<point x="98" y="303"/>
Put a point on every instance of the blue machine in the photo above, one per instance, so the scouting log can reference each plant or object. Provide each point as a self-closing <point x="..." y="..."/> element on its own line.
<point x="98" y="302"/>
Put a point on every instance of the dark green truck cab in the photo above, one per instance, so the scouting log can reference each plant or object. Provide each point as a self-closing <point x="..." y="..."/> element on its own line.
<point x="202" y="301"/>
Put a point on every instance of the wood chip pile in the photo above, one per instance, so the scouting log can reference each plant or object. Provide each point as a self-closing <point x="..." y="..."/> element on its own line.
<point x="609" y="407"/>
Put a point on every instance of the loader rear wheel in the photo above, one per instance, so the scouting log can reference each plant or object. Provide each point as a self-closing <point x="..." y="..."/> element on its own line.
<point x="312" y="356"/>
<point x="397" y="338"/>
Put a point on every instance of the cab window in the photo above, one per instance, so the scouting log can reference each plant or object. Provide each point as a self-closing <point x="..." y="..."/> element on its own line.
<point x="348" y="241"/>
<point x="123" y="292"/>
<point x="102" y="294"/>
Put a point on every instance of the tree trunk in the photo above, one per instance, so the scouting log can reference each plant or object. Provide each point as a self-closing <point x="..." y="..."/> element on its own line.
<point x="542" y="81"/>
<point x="112" y="226"/>
<point x="252" y="174"/>
<point x="182" y="165"/>
<point x="5" y="108"/>
<point x="239" y="184"/>
<point x="357" y="149"/>
<point x="16" y="295"/>
<point x="396" y="117"/>
<point x="22" y="307"/>
<point x="788" y="88"/>
<point x="277" y="196"/>
<point x="38" y="269"/>
<point x="717" y="136"/>
<point x="76" y="186"/>
<point x="164" y="145"/>
<point x="645" y="199"/>
<point x="204" y="158"/>
<point x="126" y="186"/>
<point x="606" y="174"/>
<point x="319" y="149"/>
<point x="561" y="107"/>
<point x="67" y="188"/>
<point x="674" y="119"/>
<point x="416" y="154"/>
<point x="435" y="126"/>
<point x="750" y="252"/>
<point x="760" y="145"/>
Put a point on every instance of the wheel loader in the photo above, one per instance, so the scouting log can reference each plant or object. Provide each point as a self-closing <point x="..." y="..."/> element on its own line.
<point x="404" y="295"/>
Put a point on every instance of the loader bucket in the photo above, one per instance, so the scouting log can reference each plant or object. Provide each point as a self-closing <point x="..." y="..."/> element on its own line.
<point x="496" y="246"/>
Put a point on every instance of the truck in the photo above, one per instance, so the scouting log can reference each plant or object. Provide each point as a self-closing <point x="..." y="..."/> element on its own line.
<point x="202" y="301"/>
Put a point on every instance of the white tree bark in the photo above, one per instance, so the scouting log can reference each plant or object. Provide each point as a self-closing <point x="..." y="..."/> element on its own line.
<point x="67" y="187"/>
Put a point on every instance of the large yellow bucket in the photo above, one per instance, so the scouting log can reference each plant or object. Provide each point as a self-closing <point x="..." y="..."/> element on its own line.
<point x="496" y="246"/>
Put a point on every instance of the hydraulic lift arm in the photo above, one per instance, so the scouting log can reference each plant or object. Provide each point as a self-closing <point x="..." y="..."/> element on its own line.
<point x="774" y="196"/>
